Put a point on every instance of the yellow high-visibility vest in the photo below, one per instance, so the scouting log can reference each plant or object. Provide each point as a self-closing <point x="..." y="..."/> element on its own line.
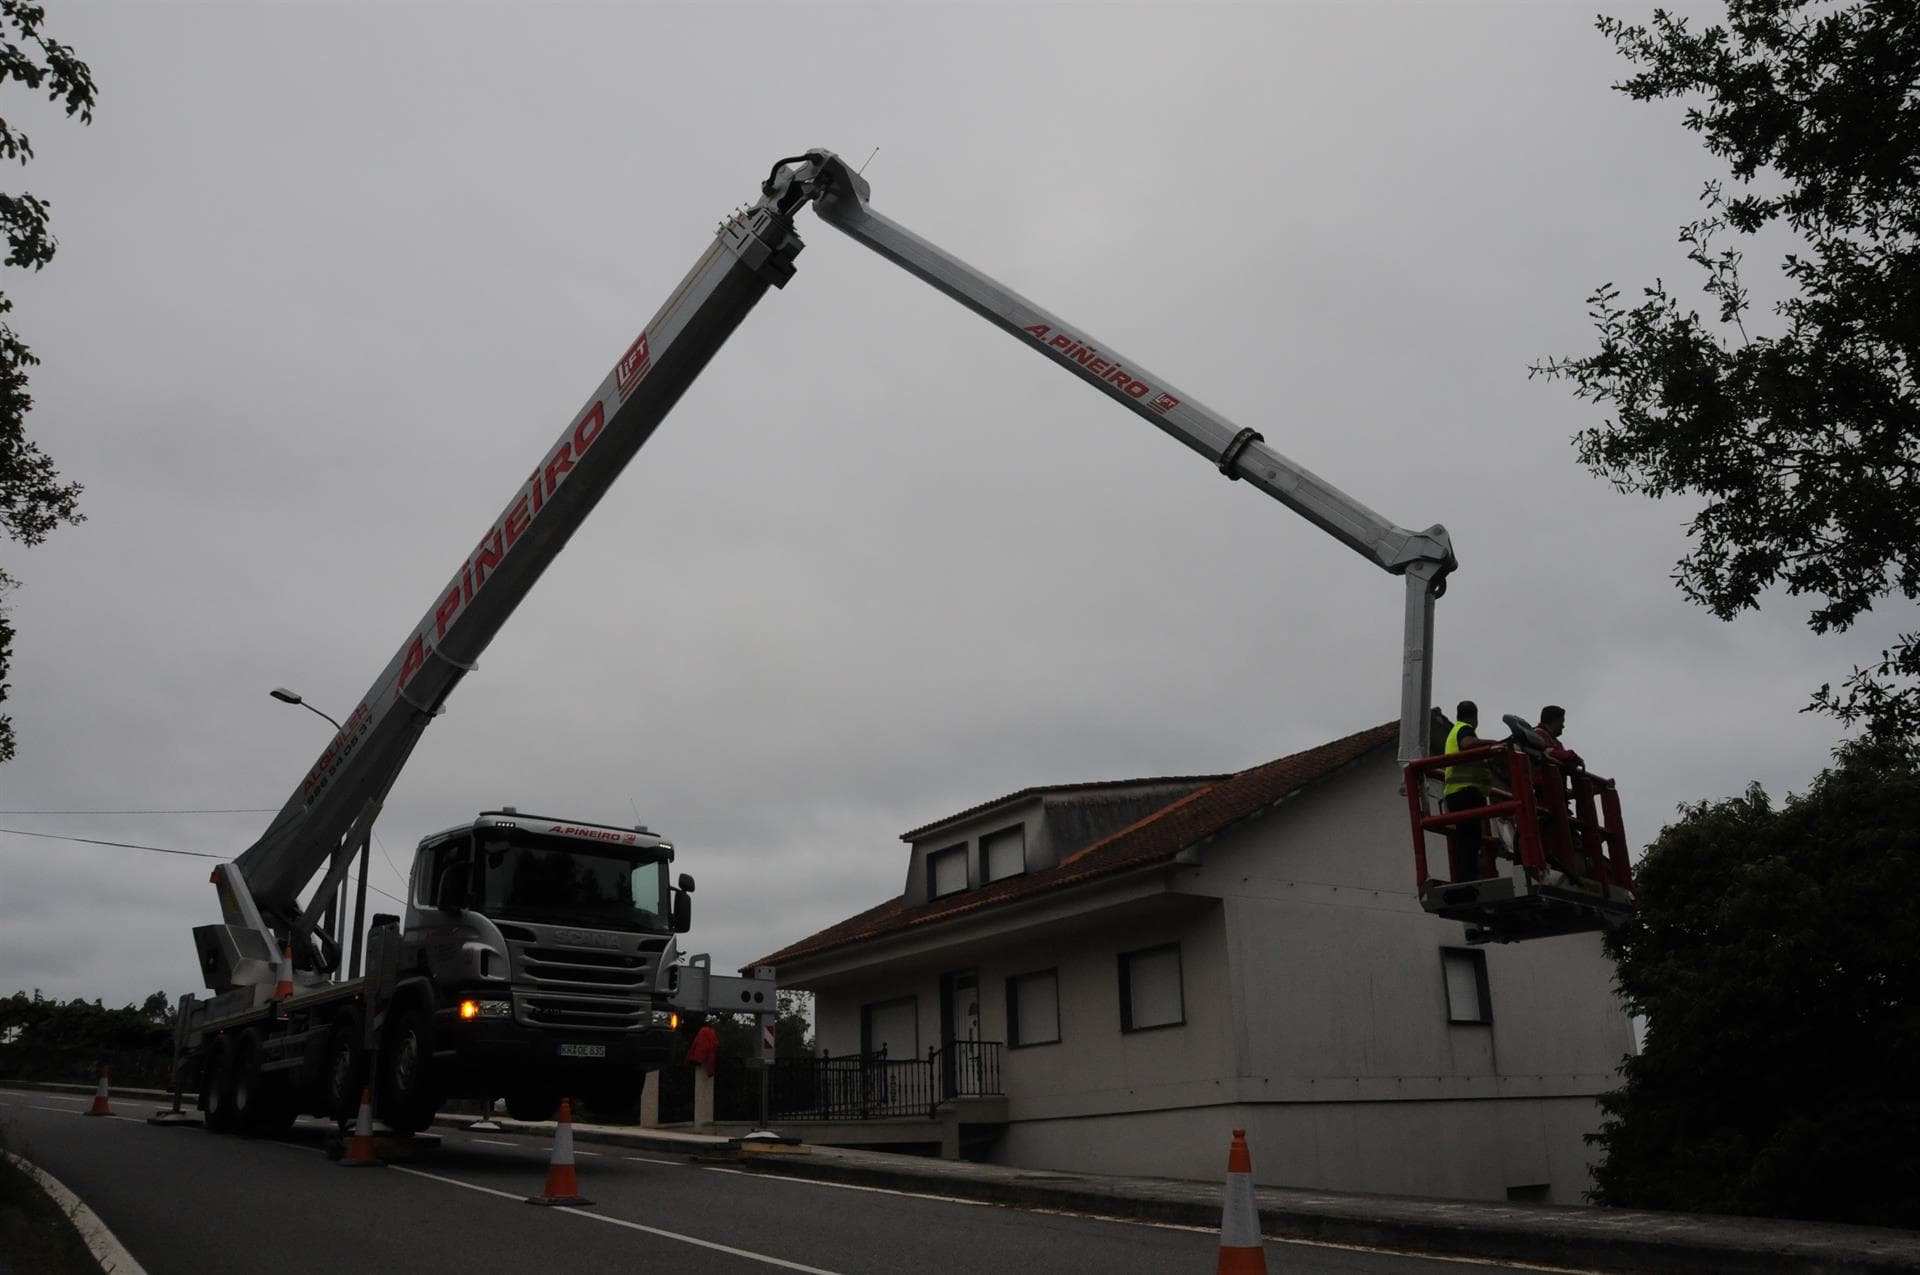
<point x="1475" y="776"/>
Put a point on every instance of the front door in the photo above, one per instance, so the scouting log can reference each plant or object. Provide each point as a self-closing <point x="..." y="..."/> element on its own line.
<point x="962" y="1034"/>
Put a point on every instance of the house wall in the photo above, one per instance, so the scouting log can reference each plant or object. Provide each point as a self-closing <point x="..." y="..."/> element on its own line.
<point x="1316" y="1018"/>
<point x="1340" y="1002"/>
<point x="1094" y="1066"/>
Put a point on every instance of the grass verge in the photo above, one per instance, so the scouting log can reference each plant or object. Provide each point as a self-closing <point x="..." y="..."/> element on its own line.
<point x="36" y="1235"/>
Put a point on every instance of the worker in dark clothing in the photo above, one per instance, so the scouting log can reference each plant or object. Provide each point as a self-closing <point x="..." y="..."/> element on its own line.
<point x="1467" y="787"/>
<point x="1553" y="724"/>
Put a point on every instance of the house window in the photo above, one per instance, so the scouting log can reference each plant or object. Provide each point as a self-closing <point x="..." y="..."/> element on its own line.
<point x="1466" y="974"/>
<point x="1150" y="989"/>
<point x="1033" y="1009"/>
<point x="1003" y="853"/>
<point x="946" y="871"/>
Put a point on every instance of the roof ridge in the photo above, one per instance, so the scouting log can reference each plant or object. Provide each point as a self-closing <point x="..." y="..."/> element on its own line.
<point x="1034" y="790"/>
<point x="1163" y="811"/>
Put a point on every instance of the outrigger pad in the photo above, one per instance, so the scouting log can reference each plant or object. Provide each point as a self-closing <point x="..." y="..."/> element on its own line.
<point x="167" y="1116"/>
<point x="1501" y="910"/>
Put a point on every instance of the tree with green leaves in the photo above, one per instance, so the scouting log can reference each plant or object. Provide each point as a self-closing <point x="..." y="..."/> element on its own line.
<point x="1774" y="959"/>
<point x="33" y="499"/>
<point x="1800" y="429"/>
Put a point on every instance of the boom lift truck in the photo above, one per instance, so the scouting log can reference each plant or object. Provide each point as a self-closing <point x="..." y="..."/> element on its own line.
<point x="537" y="956"/>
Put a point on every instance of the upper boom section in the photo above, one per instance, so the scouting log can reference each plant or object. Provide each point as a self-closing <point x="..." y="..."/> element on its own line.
<point x="753" y="250"/>
<point x="840" y="199"/>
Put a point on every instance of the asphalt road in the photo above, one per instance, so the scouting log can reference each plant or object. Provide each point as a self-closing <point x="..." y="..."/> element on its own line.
<point x="186" y="1202"/>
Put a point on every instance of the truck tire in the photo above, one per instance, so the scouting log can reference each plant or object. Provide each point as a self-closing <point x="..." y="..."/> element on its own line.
<point x="345" y="1075"/>
<point x="406" y="1100"/>
<point x="262" y="1101"/>
<point x="216" y="1085"/>
<point x="248" y="1089"/>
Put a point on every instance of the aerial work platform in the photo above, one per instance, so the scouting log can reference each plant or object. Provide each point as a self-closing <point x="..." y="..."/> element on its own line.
<point x="1552" y="851"/>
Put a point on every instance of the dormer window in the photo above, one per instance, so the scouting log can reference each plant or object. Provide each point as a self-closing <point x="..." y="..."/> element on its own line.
<point x="1003" y="853"/>
<point x="947" y="871"/>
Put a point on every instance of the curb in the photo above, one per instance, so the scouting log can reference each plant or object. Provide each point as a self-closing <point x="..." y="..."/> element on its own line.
<point x="107" y="1250"/>
<point x="637" y="1138"/>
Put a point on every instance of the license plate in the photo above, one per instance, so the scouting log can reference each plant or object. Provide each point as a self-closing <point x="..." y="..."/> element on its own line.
<point x="583" y="1051"/>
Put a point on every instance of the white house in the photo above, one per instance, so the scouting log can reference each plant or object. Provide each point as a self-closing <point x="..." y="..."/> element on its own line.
<point x="1113" y="976"/>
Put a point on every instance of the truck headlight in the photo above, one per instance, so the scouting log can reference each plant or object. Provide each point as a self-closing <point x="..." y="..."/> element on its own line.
<point x="666" y="1018"/>
<point x="472" y="1009"/>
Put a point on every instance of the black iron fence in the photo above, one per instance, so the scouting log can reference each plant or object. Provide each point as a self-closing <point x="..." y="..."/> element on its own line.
<point x="857" y="1087"/>
<point x="968" y="1068"/>
<point x="850" y="1087"/>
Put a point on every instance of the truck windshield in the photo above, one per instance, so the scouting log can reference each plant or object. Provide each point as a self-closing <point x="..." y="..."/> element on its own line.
<point x="547" y="879"/>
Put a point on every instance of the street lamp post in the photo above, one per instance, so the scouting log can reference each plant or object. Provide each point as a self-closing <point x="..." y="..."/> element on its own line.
<point x="286" y="696"/>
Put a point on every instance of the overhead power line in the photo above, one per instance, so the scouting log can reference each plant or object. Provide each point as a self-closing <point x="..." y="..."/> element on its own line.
<point x="134" y="845"/>
<point x="124" y="845"/>
<point x="247" y="810"/>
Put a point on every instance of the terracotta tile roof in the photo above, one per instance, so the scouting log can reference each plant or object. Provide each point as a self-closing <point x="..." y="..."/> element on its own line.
<point x="1157" y="838"/>
<point x="1095" y="786"/>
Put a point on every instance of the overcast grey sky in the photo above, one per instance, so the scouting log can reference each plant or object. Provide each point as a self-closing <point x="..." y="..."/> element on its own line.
<point x="332" y="277"/>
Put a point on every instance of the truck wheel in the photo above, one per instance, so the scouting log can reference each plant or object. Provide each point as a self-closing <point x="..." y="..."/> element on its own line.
<point x="216" y="1085"/>
<point x="262" y="1101"/>
<point x="344" y="1077"/>
<point x="249" y="1086"/>
<point x="406" y="1100"/>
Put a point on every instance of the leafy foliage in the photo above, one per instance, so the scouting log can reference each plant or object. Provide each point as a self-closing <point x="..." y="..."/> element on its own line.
<point x="33" y="500"/>
<point x="1773" y="956"/>
<point x="67" y="1040"/>
<point x="1805" y="441"/>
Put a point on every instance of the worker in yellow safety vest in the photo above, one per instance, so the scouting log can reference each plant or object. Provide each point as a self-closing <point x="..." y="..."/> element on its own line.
<point x="1468" y="786"/>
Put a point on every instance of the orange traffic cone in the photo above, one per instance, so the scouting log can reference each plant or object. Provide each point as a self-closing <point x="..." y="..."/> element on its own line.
<point x="360" y="1146"/>
<point x="99" y="1107"/>
<point x="284" y="988"/>
<point x="1240" y="1249"/>
<point x="561" y="1186"/>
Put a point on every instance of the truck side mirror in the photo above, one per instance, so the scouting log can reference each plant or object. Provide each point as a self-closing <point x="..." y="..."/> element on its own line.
<point x="682" y="909"/>
<point x="686" y="883"/>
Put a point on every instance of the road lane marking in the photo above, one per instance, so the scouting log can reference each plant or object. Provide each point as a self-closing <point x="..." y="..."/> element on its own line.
<point x="647" y="1159"/>
<point x="856" y="1186"/>
<point x="694" y="1240"/>
<point x="101" y="1242"/>
<point x="1505" y="1264"/>
<point x="494" y="1142"/>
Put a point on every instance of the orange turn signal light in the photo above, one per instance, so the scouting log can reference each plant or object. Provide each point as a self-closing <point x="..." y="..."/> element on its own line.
<point x="469" y="1009"/>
